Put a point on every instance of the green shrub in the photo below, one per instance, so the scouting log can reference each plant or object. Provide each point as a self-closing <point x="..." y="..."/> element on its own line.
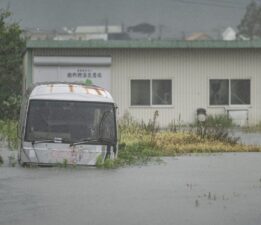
<point x="130" y="154"/>
<point x="65" y="163"/>
<point x="137" y="153"/>
<point x="109" y="164"/>
<point x="12" y="160"/>
<point x="10" y="107"/>
<point x="221" y="120"/>
<point x="99" y="161"/>
<point x="8" y="133"/>
<point x="216" y="128"/>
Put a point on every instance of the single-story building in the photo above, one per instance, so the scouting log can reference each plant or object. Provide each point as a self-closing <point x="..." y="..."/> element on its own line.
<point x="174" y="77"/>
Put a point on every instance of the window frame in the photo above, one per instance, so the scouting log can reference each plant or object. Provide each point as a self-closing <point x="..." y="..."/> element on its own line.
<point x="151" y="105"/>
<point x="229" y="92"/>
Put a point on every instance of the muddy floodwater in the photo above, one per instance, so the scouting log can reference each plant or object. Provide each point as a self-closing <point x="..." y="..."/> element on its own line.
<point x="198" y="189"/>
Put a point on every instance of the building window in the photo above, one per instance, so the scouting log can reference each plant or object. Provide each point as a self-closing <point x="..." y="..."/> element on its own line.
<point x="161" y="92"/>
<point x="240" y="92"/>
<point x="151" y="92"/>
<point x="229" y="92"/>
<point x="140" y="92"/>
<point x="219" y="92"/>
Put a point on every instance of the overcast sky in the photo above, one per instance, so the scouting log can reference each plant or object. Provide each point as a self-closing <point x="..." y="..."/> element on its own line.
<point x="177" y="16"/>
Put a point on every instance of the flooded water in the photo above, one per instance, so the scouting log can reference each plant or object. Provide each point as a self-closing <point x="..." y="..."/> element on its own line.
<point x="248" y="138"/>
<point x="197" y="189"/>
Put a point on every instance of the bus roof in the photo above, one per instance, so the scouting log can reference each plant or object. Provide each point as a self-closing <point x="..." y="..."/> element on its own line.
<point x="70" y="92"/>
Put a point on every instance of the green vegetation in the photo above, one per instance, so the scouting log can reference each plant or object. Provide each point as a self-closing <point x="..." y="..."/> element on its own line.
<point x="12" y="47"/>
<point x="8" y="133"/>
<point x="1" y="160"/>
<point x="141" y="143"/>
<point x="99" y="162"/>
<point x="250" y="24"/>
<point x="216" y="128"/>
<point x="65" y="163"/>
<point x="12" y="160"/>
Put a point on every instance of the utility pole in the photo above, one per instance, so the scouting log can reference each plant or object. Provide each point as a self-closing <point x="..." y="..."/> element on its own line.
<point x="160" y="28"/>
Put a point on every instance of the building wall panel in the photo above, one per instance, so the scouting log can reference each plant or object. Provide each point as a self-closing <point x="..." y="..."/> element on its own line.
<point x="190" y="70"/>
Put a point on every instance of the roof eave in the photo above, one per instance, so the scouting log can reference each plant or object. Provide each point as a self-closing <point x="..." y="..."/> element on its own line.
<point x="143" y="44"/>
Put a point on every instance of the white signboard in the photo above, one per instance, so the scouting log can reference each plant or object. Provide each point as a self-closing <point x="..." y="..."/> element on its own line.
<point x="91" y="70"/>
<point x="96" y="75"/>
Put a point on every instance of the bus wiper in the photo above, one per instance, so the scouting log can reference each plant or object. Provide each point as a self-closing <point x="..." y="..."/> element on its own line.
<point x="104" y="141"/>
<point x="55" y="140"/>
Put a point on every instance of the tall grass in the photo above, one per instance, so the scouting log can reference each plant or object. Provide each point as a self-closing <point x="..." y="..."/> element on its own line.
<point x="210" y="136"/>
<point x="136" y="142"/>
<point x="216" y="127"/>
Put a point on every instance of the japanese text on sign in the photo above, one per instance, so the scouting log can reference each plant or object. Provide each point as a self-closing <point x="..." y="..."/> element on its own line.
<point x="84" y="73"/>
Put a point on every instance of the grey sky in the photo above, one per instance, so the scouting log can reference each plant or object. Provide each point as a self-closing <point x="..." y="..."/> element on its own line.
<point x="176" y="15"/>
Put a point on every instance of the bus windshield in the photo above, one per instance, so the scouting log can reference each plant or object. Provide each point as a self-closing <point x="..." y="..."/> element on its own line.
<point x="70" y="121"/>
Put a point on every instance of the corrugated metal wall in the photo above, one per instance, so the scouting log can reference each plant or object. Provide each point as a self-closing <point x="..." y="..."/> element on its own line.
<point x="190" y="70"/>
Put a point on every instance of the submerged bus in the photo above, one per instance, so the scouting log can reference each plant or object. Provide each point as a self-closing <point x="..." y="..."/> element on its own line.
<point x="67" y="123"/>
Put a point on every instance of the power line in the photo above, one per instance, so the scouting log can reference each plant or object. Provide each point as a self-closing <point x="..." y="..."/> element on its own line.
<point x="212" y="4"/>
<point x="207" y="3"/>
<point x="229" y="2"/>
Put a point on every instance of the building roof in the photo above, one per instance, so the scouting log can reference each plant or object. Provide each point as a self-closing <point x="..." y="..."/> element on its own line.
<point x="98" y="29"/>
<point x="198" y="37"/>
<point x="154" y="44"/>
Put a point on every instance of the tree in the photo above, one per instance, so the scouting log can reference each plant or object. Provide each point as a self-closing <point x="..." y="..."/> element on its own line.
<point x="144" y="28"/>
<point x="11" y="48"/>
<point x="250" y="25"/>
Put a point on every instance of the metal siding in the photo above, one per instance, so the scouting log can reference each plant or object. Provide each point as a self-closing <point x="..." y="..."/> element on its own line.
<point x="29" y="69"/>
<point x="25" y="71"/>
<point x="190" y="70"/>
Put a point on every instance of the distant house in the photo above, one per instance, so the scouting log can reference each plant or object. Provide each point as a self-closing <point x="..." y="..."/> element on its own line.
<point x="229" y="34"/>
<point x="173" y="77"/>
<point x="38" y="34"/>
<point x="80" y="33"/>
<point x="80" y="36"/>
<point x="198" y="37"/>
<point x="98" y="29"/>
<point x="102" y="32"/>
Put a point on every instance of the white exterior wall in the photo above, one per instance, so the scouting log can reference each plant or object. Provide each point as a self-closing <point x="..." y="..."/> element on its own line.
<point x="190" y="70"/>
